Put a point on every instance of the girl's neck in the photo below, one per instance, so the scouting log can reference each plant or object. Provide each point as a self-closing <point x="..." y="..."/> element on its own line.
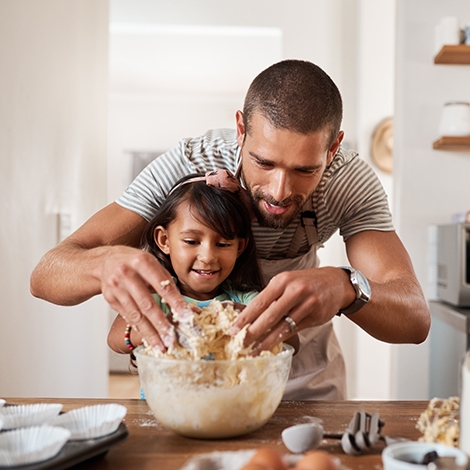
<point x="199" y="295"/>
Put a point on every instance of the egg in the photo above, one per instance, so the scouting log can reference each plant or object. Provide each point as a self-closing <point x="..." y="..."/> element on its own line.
<point x="316" y="460"/>
<point x="253" y="466"/>
<point x="271" y="459"/>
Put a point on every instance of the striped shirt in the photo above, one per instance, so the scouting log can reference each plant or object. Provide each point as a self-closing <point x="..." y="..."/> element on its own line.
<point x="349" y="196"/>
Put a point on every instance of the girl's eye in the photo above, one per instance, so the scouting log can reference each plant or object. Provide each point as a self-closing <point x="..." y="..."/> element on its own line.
<point x="223" y="244"/>
<point x="190" y="242"/>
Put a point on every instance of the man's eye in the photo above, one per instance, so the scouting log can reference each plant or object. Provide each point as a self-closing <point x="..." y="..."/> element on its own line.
<point x="264" y="164"/>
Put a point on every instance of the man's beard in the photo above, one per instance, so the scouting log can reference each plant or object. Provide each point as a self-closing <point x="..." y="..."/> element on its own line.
<point x="271" y="220"/>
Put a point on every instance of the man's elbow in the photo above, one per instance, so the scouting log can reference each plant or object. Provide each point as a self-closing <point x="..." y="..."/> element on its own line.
<point x="421" y="330"/>
<point x="35" y="284"/>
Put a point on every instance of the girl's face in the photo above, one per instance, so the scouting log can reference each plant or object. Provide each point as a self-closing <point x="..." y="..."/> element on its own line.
<point x="201" y="258"/>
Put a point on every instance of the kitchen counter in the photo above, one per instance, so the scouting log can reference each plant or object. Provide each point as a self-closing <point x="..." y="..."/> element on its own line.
<point x="150" y="446"/>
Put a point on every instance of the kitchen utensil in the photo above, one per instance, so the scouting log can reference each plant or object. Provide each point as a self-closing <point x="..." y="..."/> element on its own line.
<point x="363" y="431"/>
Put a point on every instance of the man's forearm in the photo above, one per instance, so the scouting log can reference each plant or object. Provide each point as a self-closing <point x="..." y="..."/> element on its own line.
<point x="67" y="274"/>
<point x="397" y="312"/>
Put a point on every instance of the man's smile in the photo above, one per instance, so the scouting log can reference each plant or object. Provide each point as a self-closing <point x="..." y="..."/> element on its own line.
<point x="276" y="209"/>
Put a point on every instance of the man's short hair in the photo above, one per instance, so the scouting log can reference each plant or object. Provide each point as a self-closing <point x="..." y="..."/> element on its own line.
<point x="295" y="95"/>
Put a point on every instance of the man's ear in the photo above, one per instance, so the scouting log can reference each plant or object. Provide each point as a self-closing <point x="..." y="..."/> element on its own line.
<point x="160" y="235"/>
<point x="334" y="147"/>
<point x="242" y="244"/>
<point x="240" y="128"/>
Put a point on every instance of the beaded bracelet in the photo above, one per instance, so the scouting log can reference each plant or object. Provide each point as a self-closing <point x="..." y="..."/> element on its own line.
<point x="127" y="338"/>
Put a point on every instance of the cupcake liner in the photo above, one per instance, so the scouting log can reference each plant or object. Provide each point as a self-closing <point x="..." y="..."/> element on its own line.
<point x="30" y="445"/>
<point x="93" y="421"/>
<point x="19" y="416"/>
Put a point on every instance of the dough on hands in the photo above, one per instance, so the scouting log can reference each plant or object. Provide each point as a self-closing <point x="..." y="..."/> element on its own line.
<point x="207" y="336"/>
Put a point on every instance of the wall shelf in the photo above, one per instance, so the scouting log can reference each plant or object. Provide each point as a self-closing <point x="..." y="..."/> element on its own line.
<point x="459" y="54"/>
<point x="452" y="143"/>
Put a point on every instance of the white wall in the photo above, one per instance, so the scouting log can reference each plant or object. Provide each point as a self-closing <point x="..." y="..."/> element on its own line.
<point x="53" y="159"/>
<point x="429" y="185"/>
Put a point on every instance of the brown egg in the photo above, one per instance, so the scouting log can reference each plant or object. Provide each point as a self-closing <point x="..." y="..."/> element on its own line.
<point x="253" y="466"/>
<point x="271" y="459"/>
<point x="316" y="460"/>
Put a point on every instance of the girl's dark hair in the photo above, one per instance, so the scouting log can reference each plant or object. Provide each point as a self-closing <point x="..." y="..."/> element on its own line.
<point x="221" y="211"/>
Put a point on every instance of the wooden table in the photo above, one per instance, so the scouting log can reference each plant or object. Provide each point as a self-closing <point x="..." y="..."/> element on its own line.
<point x="150" y="446"/>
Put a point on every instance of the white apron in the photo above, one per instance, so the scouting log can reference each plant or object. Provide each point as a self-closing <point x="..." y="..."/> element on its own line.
<point x="318" y="371"/>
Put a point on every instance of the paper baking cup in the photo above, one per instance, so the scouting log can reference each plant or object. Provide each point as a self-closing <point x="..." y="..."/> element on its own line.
<point x="93" y="421"/>
<point x="31" y="445"/>
<point x="19" y="416"/>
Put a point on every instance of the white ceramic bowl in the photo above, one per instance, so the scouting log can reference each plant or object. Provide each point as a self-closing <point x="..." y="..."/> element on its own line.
<point x="214" y="399"/>
<point x="402" y="455"/>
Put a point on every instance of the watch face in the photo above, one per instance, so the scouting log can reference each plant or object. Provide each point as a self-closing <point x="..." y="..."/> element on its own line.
<point x="362" y="288"/>
<point x="363" y="283"/>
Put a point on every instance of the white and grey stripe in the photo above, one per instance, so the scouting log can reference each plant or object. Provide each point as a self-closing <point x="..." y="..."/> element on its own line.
<point x="349" y="197"/>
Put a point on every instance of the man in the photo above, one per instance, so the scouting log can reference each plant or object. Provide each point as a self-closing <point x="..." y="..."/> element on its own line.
<point x="303" y="186"/>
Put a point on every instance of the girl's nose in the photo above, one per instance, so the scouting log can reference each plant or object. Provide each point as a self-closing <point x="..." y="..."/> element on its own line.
<point x="206" y="254"/>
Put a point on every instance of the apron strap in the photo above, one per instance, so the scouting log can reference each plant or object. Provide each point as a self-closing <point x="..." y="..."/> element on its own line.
<point x="307" y="225"/>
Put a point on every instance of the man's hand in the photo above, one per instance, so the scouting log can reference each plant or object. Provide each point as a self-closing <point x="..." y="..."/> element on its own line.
<point x="396" y="313"/>
<point x="99" y="258"/>
<point x="309" y="297"/>
<point x="127" y="280"/>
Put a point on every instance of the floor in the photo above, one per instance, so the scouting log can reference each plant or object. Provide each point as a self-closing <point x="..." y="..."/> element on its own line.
<point x="124" y="385"/>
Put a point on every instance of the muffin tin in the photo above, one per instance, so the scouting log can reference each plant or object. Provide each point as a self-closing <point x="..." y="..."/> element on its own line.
<point x="38" y="437"/>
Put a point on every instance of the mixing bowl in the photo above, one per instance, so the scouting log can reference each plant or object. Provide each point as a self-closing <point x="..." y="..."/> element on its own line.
<point x="214" y="399"/>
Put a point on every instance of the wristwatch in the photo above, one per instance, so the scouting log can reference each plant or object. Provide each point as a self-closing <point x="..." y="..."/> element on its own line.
<point x="362" y="288"/>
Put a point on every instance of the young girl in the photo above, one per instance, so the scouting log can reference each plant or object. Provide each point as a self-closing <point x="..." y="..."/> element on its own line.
<point x="202" y="236"/>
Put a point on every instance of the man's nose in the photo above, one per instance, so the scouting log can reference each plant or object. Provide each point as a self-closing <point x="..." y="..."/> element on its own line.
<point x="280" y="187"/>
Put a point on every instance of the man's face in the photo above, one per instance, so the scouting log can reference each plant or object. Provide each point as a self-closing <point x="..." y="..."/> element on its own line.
<point x="281" y="168"/>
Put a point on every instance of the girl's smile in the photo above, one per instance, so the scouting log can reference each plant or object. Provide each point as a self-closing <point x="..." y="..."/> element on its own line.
<point x="201" y="258"/>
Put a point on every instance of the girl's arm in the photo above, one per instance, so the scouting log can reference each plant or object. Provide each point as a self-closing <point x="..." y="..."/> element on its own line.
<point x="116" y="340"/>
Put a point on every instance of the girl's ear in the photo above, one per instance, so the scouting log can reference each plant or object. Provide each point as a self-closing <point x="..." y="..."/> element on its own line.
<point x="160" y="235"/>
<point x="242" y="244"/>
